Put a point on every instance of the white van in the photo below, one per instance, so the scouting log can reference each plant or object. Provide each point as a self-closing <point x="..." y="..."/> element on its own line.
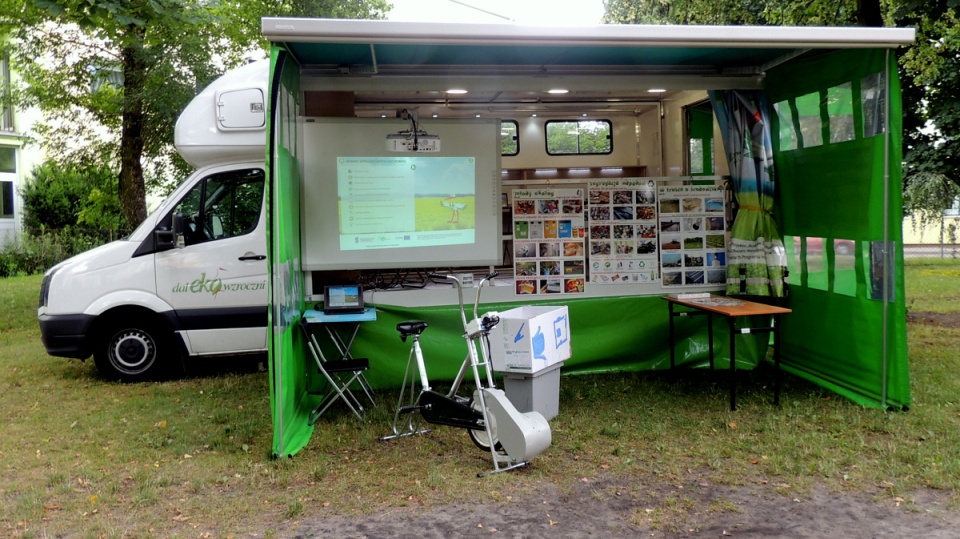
<point x="191" y="280"/>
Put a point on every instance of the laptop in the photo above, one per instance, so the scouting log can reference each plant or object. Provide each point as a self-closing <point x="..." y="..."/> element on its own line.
<point x="343" y="299"/>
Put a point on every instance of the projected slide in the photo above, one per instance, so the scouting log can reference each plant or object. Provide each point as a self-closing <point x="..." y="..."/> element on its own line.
<point x="406" y="201"/>
<point x="364" y="207"/>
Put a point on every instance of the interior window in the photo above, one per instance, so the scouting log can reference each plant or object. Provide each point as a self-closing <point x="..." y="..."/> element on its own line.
<point x="509" y="137"/>
<point x="583" y="137"/>
<point x="222" y="206"/>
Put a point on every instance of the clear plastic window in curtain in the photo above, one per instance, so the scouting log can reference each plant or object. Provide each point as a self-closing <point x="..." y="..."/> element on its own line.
<point x="794" y="270"/>
<point x="845" y="267"/>
<point x="873" y="101"/>
<point x="788" y="137"/>
<point x="840" y="109"/>
<point x="816" y="264"/>
<point x="811" y="126"/>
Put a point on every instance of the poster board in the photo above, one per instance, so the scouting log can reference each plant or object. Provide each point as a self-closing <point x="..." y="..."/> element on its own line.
<point x="548" y="241"/>
<point x="692" y="235"/>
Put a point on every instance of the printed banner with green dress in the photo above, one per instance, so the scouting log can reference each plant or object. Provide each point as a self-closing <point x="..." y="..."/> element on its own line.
<point x="755" y="256"/>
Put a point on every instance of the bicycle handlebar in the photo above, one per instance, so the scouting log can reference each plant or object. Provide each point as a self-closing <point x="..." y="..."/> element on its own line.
<point x="459" y="285"/>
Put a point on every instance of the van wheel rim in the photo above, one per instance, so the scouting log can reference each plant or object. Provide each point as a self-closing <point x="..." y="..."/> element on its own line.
<point x="132" y="352"/>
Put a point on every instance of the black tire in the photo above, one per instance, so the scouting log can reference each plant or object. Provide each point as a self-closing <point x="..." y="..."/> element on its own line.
<point x="134" y="350"/>
<point x="479" y="436"/>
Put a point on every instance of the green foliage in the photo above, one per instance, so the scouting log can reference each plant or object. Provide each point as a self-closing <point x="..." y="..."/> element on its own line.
<point x="733" y="12"/>
<point x="63" y="196"/>
<point x="66" y="210"/>
<point x="31" y="254"/>
<point x="932" y="86"/>
<point x="930" y="69"/>
<point x="112" y="76"/>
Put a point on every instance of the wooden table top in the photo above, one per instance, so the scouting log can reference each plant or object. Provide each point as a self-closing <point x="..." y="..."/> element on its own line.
<point x="728" y="306"/>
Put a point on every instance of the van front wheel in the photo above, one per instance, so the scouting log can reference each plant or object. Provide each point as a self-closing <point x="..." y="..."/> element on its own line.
<point x="132" y="351"/>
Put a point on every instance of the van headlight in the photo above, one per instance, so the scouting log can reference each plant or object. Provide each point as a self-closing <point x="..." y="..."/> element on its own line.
<point x="45" y="288"/>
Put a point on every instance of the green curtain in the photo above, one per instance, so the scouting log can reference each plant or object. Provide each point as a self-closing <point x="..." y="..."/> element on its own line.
<point x="290" y="402"/>
<point x="839" y="178"/>
<point x="755" y="255"/>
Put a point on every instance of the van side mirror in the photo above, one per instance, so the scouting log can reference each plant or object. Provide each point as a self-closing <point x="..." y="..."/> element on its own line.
<point x="173" y="238"/>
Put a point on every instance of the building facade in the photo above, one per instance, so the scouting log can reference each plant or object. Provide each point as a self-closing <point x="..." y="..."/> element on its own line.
<point x="17" y="157"/>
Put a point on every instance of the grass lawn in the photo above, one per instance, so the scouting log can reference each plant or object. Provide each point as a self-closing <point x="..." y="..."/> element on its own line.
<point x="82" y="457"/>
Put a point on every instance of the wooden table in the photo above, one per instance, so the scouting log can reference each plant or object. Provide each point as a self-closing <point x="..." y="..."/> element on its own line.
<point x="731" y="309"/>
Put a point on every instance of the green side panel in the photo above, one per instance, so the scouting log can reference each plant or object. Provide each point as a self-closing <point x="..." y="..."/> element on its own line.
<point x="847" y="331"/>
<point x="838" y="182"/>
<point x="290" y="402"/>
<point x="629" y="333"/>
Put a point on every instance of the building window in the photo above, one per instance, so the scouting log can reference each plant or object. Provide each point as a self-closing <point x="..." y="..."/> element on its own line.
<point x="6" y="200"/>
<point x="579" y="137"/>
<point x="8" y="172"/>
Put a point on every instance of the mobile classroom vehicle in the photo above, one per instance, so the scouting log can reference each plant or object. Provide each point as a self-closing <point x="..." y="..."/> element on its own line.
<point x="349" y="93"/>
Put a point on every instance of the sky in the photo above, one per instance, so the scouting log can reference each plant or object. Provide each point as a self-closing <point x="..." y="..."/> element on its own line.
<point x="528" y="12"/>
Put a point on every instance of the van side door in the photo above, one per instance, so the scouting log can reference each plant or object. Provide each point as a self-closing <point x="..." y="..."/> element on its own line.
<point x="217" y="282"/>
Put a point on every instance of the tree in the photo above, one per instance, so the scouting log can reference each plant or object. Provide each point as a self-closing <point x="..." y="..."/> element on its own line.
<point x="111" y="76"/>
<point x="932" y="87"/>
<point x="930" y="70"/>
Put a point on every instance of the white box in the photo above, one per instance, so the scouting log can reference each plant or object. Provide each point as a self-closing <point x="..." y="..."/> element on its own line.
<point x="530" y="338"/>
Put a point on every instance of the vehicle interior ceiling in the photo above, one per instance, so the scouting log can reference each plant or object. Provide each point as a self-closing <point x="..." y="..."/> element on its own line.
<point x="530" y="95"/>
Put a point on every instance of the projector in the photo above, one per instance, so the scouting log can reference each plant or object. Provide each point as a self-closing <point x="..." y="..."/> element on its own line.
<point x="404" y="143"/>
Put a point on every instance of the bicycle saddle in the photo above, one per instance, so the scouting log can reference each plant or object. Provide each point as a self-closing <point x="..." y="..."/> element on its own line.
<point x="411" y="327"/>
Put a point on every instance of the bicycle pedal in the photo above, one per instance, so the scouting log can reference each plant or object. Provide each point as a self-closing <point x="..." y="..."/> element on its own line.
<point x="409" y="409"/>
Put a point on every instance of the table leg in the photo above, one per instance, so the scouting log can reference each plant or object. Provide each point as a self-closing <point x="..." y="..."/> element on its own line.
<point x="776" y="359"/>
<point x="343" y="346"/>
<point x="733" y="363"/>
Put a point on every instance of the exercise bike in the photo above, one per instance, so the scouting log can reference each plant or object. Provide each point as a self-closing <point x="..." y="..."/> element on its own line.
<point x="492" y="421"/>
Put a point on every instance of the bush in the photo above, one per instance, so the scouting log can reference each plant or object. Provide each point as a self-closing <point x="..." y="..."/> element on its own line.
<point x="28" y="254"/>
<point x="67" y="209"/>
<point x="62" y="196"/>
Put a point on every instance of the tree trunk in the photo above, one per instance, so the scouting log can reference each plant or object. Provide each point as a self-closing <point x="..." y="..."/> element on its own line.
<point x="868" y="13"/>
<point x="131" y="190"/>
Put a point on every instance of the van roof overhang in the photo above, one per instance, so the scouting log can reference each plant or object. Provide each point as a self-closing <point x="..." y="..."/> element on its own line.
<point x="506" y="60"/>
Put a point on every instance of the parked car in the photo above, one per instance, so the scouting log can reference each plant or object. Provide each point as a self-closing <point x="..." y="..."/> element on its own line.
<point x="815" y="245"/>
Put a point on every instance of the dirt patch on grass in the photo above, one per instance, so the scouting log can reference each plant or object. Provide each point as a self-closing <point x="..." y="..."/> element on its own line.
<point x="947" y="320"/>
<point x="611" y="507"/>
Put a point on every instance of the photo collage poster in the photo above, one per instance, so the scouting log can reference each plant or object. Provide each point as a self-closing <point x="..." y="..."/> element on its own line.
<point x="622" y="217"/>
<point x="692" y="235"/>
<point x="548" y="241"/>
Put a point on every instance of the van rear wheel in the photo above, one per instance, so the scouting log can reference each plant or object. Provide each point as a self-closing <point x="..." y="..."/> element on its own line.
<point x="133" y="351"/>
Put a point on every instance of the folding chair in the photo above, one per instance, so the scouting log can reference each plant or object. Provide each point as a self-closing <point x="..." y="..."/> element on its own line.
<point x="340" y="375"/>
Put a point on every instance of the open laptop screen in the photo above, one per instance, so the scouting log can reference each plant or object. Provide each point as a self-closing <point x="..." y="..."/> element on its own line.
<point x="343" y="299"/>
